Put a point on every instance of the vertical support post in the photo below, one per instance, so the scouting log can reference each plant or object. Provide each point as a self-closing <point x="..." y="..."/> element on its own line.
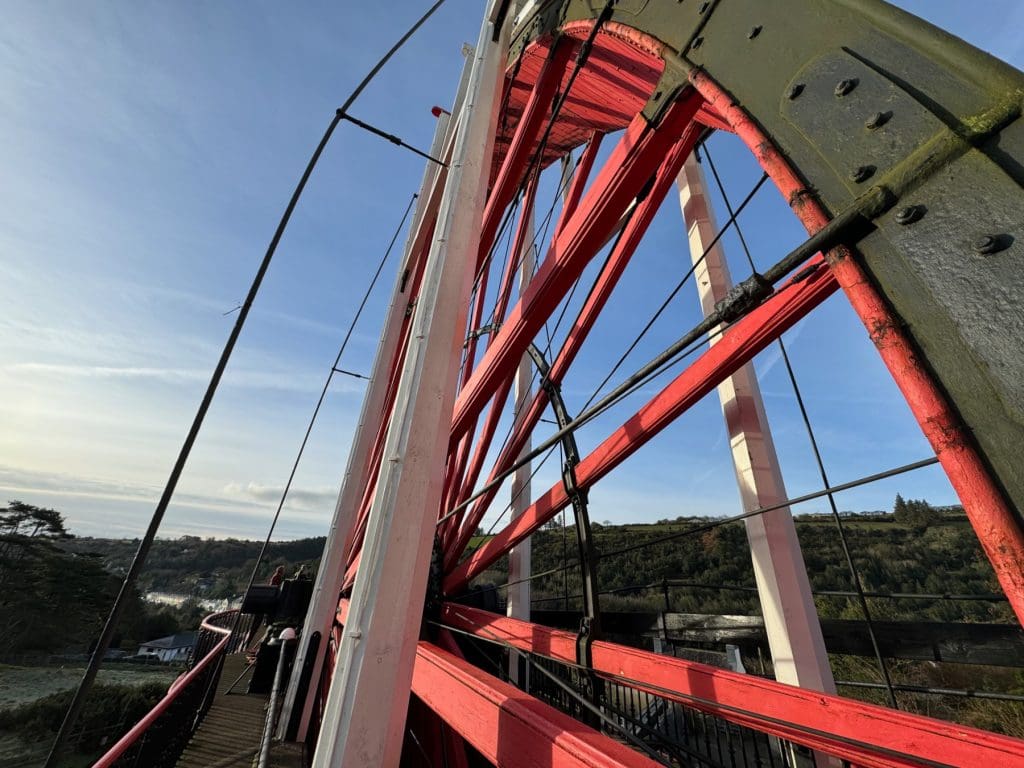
<point x="298" y="704"/>
<point x="790" y="618"/>
<point x="519" y="558"/>
<point x="364" y="717"/>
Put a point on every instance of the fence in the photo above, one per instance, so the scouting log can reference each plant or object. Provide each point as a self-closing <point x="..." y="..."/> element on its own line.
<point x="158" y="740"/>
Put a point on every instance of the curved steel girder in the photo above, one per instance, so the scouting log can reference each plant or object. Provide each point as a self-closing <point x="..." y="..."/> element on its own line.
<point x="858" y="94"/>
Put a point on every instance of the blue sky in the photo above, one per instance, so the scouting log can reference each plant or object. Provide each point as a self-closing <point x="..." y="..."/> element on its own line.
<point x="148" y="150"/>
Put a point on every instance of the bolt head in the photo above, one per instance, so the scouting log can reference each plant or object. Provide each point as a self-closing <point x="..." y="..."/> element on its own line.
<point x="794" y="90"/>
<point x="861" y="173"/>
<point x="988" y="244"/>
<point x="909" y="215"/>
<point x="877" y="120"/>
<point x="843" y="87"/>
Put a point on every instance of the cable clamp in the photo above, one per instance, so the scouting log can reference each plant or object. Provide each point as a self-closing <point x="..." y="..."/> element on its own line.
<point x="483" y="330"/>
<point x="743" y="297"/>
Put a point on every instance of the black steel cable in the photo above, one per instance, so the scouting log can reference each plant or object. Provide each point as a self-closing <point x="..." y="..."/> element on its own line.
<point x="960" y="692"/>
<point x="854" y="573"/>
<point x="103" y="642"/>
<point x="323" y="395"/>
<point x="682" y="356"/>
<point x="672" y="294"/>
<point x="990" y="598"/>
<point x="760" y="511"/>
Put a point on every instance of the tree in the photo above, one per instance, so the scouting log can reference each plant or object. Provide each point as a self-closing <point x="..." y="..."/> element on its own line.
<point x="917" y="513"/>
<point x="899" y="509"/>
<point x="51" y="599"/>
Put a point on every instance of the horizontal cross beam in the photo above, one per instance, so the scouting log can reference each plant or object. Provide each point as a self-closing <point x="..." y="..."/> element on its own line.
<point x="506" y="725"/>
<point x="864" y="734"/>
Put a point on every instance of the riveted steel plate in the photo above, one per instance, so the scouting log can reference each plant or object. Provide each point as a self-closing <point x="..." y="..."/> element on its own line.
<point x="962" y="306"/>
<point x="836" y="123"/>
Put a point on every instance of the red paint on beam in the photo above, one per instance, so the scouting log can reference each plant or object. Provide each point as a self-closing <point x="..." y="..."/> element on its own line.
<point x="606" y="281"/>
<point x="637" y="156"/>
<point x="745" y="338"/>
<point x="507" y="726"/>
<point x="579" y="181"/>
<point x="498" y="402"/>
<point x="864" y="734"/>
<point x="520" y="150"/>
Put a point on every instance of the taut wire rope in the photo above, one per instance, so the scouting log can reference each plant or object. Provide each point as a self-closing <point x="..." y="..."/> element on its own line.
<point x="146" y="543"/>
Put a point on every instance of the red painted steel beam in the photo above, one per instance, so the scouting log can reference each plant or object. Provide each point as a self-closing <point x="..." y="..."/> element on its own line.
<point x="579" y="181"/>
<point x="456" y="542"/>
<point x="520" y="151"/>
<point x="605" y="283"/>
<point x="997" y="527"/>
<point x="507" y="726"/>
<point x="354" y="540"/>
<point x="745" y="338"/>
<point x="515" y="164"/>
<point x="865" y="734"/>
<point x="501" y="306"/>
<point x="450" y="528"/>
<point x="637" y="156"/>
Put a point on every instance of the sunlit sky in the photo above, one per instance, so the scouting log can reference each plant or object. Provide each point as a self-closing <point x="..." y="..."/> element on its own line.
<point x="147" y="151"/>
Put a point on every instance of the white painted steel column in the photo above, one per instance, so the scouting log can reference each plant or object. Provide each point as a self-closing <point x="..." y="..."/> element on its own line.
<point x="331" y="574"/>
<point x="324" y="603"/>
<point x="790" y="618"/>
<point x="519" y="559"/>
<point x="366" y="706"/>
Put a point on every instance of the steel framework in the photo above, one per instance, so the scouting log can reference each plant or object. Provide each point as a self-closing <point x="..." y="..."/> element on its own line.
<point x="899" y="148"/>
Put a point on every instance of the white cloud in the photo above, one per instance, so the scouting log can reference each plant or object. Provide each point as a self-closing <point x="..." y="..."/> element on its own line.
<point x="310" y="498"/>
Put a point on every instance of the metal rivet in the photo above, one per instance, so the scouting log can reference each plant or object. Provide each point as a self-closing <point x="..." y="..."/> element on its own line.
<point x="843" y="87"/>
<point x="754" y="32"/>
<point x="909" y="215"/>
<point x="697" y="42"/>
<point x="794" y="90"/>
<point x="862" y="173"/>
<point x="877" y="120"/>
<point x="988" y="244"/>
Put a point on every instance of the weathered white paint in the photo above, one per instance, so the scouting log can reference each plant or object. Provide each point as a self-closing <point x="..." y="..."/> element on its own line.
<point x="791" y="620"/>
<point x="366" y="706"/>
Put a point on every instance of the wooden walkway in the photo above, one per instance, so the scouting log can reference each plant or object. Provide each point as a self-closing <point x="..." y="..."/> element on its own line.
<point x="229" y="736"/>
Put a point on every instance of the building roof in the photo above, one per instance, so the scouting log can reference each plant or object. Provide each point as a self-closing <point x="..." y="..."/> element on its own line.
<point x="179" y="640"/>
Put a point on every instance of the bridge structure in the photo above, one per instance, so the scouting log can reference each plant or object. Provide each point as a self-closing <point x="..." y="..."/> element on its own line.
<point x="898" y="147"/>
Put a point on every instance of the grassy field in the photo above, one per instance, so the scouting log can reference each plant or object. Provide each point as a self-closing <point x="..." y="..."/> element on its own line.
<point x="22" y="685"/>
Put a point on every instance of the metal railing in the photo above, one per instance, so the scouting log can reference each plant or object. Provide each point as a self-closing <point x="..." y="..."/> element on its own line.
<point x="681" y="735"/>
<point x="158" y="740"/>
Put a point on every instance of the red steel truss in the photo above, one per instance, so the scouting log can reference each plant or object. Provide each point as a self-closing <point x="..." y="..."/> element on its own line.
<point x="616" y="203"/>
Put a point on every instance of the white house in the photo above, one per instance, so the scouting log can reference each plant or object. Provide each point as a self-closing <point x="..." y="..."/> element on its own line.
<point x="171" y="648"/>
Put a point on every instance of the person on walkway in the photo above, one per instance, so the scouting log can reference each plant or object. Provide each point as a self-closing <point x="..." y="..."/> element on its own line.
<point x="277" y="577"/>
